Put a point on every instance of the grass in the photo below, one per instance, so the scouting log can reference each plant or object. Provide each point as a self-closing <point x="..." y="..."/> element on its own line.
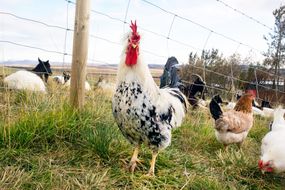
<point x="44" y="144"/>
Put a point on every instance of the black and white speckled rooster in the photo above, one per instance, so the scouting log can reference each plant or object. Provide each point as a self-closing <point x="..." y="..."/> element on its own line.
<point x="143" y="112"/>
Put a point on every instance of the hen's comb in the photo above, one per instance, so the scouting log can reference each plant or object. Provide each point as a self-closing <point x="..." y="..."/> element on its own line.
<point x="134" y="27"/>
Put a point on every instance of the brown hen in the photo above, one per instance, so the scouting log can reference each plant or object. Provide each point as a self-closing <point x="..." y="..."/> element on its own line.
<point x="233" y="126"/>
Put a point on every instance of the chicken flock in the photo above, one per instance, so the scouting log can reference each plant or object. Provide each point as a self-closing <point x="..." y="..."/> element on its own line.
<point x="146" y="114"/>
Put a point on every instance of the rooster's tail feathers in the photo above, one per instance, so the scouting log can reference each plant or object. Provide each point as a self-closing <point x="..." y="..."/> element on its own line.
<point x="178" y="94"/>
<point x="279" y="112"/>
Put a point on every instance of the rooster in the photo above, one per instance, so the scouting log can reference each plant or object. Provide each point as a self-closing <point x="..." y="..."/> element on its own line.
<point x="144" y="113"/>
<point x="233" y="126"/>
<point x="273" y="145"/>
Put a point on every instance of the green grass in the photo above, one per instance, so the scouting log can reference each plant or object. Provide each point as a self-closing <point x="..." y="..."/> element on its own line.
<point x="44" y="144"/>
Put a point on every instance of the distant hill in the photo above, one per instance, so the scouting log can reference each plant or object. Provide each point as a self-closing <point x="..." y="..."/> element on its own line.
<point x="19" y="63"/>
<point x="31" y="63"/>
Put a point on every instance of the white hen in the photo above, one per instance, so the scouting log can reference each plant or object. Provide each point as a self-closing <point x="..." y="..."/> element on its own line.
<point x="273" y="145"/>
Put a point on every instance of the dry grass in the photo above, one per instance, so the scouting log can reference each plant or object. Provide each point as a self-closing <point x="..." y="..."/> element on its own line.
<point x="44" y="144"/>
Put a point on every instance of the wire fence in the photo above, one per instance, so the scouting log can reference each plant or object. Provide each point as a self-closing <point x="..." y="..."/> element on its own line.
<point x="245" y="15"/>
<point x="227" y="80"/>
<point x="219" y="83"/>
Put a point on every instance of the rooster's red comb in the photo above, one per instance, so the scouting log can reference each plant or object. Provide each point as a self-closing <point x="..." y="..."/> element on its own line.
<point x="134" y="27"/>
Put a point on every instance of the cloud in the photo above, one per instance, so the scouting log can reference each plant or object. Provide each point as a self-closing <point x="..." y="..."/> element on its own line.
<point x="10" y="3"/>
<point x="209" y="13"/>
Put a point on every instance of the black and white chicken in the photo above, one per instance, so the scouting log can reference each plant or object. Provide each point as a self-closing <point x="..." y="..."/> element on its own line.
<point x="144" y="113"/>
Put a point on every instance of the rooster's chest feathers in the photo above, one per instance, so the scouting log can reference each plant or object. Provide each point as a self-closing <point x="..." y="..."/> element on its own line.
<point x="136" y="115"/>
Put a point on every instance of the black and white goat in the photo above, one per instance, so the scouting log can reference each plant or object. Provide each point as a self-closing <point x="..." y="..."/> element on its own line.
<point x="62" y="79"/>
<point x="65" y="78"/>
<point x="43" y="69"/>
<point x="30" y="80"/>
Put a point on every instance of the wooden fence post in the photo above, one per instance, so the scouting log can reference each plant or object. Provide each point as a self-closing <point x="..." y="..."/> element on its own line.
<point x="79" y="53"/>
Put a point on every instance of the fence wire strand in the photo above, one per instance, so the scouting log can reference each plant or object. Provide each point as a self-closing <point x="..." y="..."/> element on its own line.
<point x="244" y="14"/>
<point x="167" y="37"/>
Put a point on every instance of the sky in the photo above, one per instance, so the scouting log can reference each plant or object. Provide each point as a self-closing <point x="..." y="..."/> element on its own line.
<point x="106" y="34"/>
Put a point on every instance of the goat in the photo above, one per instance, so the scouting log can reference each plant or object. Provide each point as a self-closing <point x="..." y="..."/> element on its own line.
<point x="30" y="80"/>
<point x="105" y="85"/>
<point x="62" y="79"/>
<point x="87" y="85"/>
<point x="65" y="80"/>
<point x="25" y="80"/>
<point x="43" y="69"/>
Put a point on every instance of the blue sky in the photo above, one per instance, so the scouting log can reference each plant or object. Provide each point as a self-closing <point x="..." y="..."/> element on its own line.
<point x="156" y="49"/>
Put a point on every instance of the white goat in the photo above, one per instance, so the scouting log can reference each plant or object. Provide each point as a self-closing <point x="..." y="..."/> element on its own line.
<point x="105" y="85"/>
<point x="59" y="79"/>
<point x="87" y="85"/>
<point x="62" y="79"/>
<point x="25" y="80"/>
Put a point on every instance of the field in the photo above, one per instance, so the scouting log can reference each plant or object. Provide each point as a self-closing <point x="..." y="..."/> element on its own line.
<point x="44" y="144"/>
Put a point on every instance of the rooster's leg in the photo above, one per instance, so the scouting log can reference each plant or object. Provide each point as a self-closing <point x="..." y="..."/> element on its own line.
<point x="152" y="163"/>
<point x="134" y="159"/>
<point x="239" y="145"/>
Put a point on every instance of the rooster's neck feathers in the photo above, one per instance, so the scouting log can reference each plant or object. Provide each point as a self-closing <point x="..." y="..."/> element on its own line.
<point x="139" y="72"/>
<point x="244" y="104"/>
